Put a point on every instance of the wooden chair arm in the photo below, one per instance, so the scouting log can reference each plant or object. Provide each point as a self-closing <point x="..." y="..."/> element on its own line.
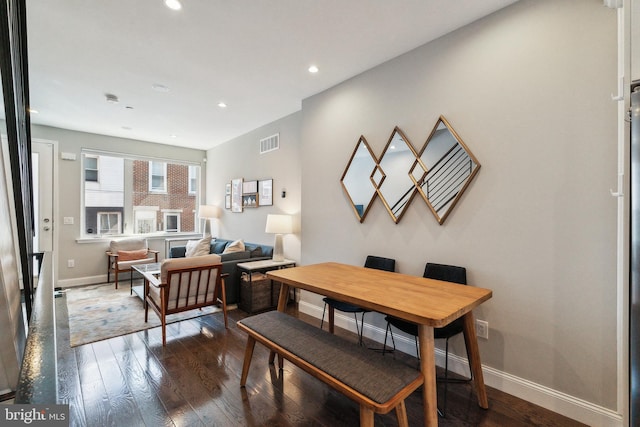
<point x="154" y="252"/>
<point x="153" y="280"/>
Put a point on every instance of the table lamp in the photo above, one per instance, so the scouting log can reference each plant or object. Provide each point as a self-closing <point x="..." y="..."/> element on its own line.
<point x="279" y="225"/>
<point x="208" y="212"/>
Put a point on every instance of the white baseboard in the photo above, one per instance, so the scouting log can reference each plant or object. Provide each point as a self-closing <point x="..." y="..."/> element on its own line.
<point x="91" y="280"/>
<point x="561" y="403"/>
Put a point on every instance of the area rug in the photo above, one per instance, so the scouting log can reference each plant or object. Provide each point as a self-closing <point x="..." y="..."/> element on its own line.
<point x="99" y="312"/>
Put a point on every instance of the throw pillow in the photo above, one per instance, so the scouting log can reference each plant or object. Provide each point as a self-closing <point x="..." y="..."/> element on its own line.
<point x="217" y="247"/>
<point x="198" y="247"/>
<point x="235" y="246"/>
<point x="132" y="255"/>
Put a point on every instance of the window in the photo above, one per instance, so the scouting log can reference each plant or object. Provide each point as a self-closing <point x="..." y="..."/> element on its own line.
<point x="136" y="195"/>
<point x="109" y="222"/>
<point x="171" y="221"/>
<point x="91" y="169"/>
<point x="193" y="179"/>
<point x="158" y="176"/>
<point x="145" y="221"/>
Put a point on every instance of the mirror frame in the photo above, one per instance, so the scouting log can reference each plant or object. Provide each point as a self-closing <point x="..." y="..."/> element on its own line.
<point x="418" y="162"/>
<point x="361" y="142"/>
<point x="379" y="189"/>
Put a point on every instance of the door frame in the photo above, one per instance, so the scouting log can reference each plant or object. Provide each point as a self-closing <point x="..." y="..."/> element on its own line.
<point x="54" y="200"/>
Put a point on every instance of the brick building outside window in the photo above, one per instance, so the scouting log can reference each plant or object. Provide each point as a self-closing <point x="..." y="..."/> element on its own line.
<point x="161" y="197"/>
<point x="134" y="196"/>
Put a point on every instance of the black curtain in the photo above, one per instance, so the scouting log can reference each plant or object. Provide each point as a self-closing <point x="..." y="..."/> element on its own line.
<point x="15" y="88"/>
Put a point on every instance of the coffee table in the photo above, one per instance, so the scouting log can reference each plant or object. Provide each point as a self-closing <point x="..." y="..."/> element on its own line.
<point x="151" y="268"/>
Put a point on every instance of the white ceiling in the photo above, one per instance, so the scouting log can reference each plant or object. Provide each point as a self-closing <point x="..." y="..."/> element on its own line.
<point x="251" y="54"/>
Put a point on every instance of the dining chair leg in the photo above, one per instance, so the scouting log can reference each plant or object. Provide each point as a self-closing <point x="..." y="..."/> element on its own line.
<point x="384" y="346"/>
<point x="448" y="380"/>
<point x="359" y="330"/>
<point x="324" y="310"/>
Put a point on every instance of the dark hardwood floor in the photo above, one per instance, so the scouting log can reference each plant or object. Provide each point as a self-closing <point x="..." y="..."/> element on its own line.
<point x="133" y="380"/>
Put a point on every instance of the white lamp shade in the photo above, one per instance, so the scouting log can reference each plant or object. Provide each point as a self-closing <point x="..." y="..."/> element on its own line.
<point x="279" y="224"/>
<point x="208" y="211"/>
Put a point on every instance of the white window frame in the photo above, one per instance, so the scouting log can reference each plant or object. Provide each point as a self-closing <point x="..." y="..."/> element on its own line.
<point x="97" y="169"/>
<point x="153" y="189"/>
<point x="99" y="223"/>
<point x="145" y="213"/>
<point x="126" y="218"/>
<point x="177" y="214"/>
<point x="193" y="179"/>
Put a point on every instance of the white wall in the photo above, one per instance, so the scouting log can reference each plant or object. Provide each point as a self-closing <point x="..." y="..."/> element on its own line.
<point x="528" y="90"/>
<point x="90" y="259"/>
<point x="240" y="158"/>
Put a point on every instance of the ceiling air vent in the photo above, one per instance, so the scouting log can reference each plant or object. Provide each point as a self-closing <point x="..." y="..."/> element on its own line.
<point x="270" y="143"/>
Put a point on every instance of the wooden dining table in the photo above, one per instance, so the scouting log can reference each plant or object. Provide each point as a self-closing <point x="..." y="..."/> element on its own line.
<point x="426" y="302"/>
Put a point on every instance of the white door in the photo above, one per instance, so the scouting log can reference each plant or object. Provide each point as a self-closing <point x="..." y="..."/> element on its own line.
<point x="42" y="159"/>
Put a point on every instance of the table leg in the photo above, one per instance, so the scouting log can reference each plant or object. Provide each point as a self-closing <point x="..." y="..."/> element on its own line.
<point x="145" y="291"/>
<point x="283" y="299"/>
<point x="332" y="316"/>
<point x="428" y="369"/>
<point x="471" y="341"/>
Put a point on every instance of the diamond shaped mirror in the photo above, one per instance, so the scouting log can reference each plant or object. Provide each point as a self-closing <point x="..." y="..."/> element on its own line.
<point x="356" y="179"/>
<point x="398" y="188"/>
<point x="443" y="170"/>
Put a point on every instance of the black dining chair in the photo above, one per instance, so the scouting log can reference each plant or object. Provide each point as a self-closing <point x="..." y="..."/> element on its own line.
<point x="372" y="261"/>
<point x="448" y="273"/>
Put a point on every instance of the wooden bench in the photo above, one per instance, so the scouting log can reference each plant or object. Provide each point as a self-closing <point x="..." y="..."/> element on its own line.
<point x="377" y="383"/>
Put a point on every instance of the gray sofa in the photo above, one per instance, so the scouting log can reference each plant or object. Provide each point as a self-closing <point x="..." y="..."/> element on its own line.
<point x="230" y="261"/>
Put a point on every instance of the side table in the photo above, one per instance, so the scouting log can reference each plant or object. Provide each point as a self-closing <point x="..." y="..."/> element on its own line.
<point x="251" y="292"/>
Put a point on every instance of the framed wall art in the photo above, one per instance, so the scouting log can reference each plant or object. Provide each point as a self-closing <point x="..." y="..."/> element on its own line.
<point x="227" y="196"/>
<point x="250" y="200"/>
<point x="249" y="187"/>
<point x="265" y="192"/>
<point x="236" y="195"/>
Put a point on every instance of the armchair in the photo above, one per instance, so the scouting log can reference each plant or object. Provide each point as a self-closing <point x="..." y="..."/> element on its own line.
<point x="123" y="254"/>
<point x="185" y="284"/>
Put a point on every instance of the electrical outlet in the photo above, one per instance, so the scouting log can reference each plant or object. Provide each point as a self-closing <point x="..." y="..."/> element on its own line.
<point x="482" y="329"/>
<point x="71" y="263"/>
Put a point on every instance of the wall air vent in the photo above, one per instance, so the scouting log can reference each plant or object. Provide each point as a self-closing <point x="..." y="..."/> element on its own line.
<point x="270" y="143"/>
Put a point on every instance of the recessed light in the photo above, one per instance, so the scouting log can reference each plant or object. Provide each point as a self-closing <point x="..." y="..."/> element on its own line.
<point x="32" y="110"/>
<point x="313" y="69"/>
<point x="173" y="135"/>
<point x="173" y="4"/>
<point x="159" y="87"/>
<point x="222" y="104"/>
<point x="127" y="128"/>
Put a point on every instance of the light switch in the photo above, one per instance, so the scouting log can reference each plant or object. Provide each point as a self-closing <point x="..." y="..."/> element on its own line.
<point x="68" y="220"/>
